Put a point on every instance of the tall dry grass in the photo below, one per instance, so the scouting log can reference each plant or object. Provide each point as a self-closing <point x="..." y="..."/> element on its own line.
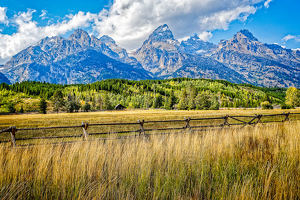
<point x="259" y="162"/>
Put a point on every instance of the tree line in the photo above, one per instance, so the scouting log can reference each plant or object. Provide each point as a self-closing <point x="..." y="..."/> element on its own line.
<point x="177" y="93"/>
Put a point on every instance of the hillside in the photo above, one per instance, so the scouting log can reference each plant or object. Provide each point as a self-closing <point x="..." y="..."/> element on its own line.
<point x="177" y="93"/>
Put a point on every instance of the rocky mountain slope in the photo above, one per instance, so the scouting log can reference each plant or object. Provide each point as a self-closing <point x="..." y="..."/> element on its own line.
<point x="261" y="64"/>
<point x="194" y="45"/>
<point x="165" y="57"/>
<point x="242" y="59"/>
<point x="82" y="58"/>
<point x="3" y="79"/>
<point x="78" y="59"/>
<point x="160" y="53"/>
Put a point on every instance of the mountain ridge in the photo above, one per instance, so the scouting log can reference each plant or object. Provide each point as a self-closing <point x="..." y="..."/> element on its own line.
<point x="56" y="60"/>
<point x="240" y="59"/>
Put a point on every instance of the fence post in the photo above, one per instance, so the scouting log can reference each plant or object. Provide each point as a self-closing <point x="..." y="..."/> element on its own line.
<point x="226" y="121"/>
<point x="187" y="123"/>
<point x="286" y="117"/>
<point x="84" y="129"/>
<point x="142" y="130"/>
<point x="258" y="119"/>
<point x="13" y="131"/>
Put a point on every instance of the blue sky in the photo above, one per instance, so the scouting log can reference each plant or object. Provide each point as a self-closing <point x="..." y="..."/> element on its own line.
<point x="129" y="22"/>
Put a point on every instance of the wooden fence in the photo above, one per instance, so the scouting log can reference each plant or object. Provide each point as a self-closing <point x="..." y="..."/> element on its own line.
<point x="226" y="121"/>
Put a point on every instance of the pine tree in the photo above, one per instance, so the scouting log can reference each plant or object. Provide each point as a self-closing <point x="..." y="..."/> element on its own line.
<point x="157" y="101"/>
<point x="183" y="104"/>
<point x="106" y="102"/>
<point x="43" y="106"/>
<point x="58" y="101"/>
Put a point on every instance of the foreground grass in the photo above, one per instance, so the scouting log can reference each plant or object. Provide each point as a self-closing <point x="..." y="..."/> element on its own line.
<point x="261" y="162"/>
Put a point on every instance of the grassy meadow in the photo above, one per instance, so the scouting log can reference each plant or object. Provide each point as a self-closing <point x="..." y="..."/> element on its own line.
<point x="71" y="119"/>
<point x="41" y="120"/>
<point x="254" y="162"/>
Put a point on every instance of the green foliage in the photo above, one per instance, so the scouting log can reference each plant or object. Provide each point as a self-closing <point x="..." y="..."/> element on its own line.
<point x="58" y="101"/>
<point x="22" y="109"/>
<point x="106" y="102"/>
<point x="11" y="108"/>
<point x="86" y="107"/>
<point x="176" y="93"/>
<point x="157" y="101"/>
<point x="205" y="101"/>
<point x="266" y="105"/>
<point x="292" y="97"/>
<point x="72" y="106"/>
<point x="43" y="106"/>
<point x="285" y="106"/>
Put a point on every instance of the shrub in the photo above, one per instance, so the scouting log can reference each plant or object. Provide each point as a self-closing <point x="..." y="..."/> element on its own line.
<point x="11" y="108"/>
<point x="21" y="109"/>
<point x="86" y="107"/>
<point x="285" y="106"/>
<point x="72" y="106"/>
<point x="266" y="105"/>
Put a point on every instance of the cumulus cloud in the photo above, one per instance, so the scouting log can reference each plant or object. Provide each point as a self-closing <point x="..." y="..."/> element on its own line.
<point x="3" y="17"/>
<point x="266" y="4"/>
<point x="29" y="32"/>
<point x="291" y="37"/>
<point x="205" y="36"/>
<point x="131" y="21"/>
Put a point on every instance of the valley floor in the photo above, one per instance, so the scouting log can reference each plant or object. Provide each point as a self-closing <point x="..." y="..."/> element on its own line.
<point x="40" y="120"/>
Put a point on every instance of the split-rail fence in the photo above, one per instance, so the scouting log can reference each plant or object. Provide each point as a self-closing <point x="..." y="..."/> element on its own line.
<point x="221" y="122"/>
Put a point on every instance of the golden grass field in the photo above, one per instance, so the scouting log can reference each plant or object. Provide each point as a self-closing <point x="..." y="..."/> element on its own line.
<point x="253" y="162"/>
<point x="39" y="120"/>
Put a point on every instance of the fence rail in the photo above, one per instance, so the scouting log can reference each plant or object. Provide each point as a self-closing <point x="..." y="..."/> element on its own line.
<point x="238" y="120"/>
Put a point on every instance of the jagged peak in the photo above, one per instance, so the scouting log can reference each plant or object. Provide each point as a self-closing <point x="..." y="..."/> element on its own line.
<point x="50" y="39"/>
<point x="107" y="39"/>
<point x="162" y="28"/>
<point x="246" y="33"/>
<point x="79" y="33"/>
<point x="161" y="33"/>
<point x="194" y="37"/>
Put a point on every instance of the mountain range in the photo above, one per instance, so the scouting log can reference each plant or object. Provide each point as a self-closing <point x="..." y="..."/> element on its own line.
<point x="82" y="58"/>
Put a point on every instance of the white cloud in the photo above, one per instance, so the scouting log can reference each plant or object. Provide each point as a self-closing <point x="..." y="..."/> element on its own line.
<point x="3" y="17"/>
<point x="205" y="36"/>
<point x="267" y="2"/>
<point x="43" y="14"/>
<point x="129" y="22"/>
<point x="291" y="37"/>
<point x="29" y="32"/>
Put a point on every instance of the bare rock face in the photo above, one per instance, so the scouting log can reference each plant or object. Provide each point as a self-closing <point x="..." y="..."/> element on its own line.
<point x="165" y="57"/>
<point x="160" y="53"/>
<point x="78" y="59"/>
<point x="261" y="64"/>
